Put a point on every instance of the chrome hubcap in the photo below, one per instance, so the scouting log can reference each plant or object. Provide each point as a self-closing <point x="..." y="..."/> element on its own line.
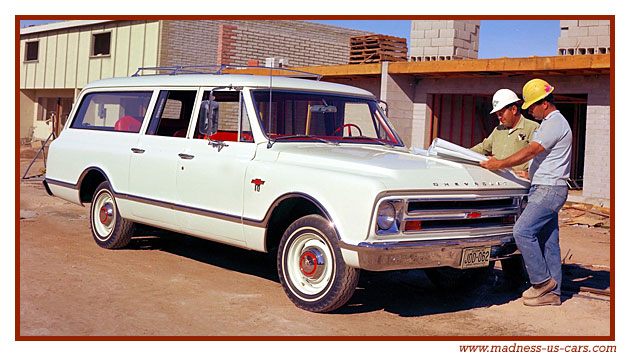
<point x="104" y="216"/>
<point x="308" y="263"/>
<point x="312" y="264"/>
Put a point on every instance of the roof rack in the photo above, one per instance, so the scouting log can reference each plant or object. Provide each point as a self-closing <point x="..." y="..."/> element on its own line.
<point x="218" y="69"/>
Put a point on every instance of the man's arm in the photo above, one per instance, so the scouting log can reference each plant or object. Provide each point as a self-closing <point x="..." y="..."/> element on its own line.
<point x="519" y="157"/>
<point x="484" y="147"/>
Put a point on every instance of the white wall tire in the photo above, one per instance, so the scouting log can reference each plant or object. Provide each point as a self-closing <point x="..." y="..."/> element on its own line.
<point x="310" y="266"/>
<point x="108" y="228"/>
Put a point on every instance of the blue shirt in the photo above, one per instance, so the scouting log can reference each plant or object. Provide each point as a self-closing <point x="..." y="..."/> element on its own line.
<point x="553" y="166"/>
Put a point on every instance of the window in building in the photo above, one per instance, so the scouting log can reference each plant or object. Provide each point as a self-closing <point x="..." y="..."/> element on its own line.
<point x="101" y="43"/>
<point x="32" y="51"/>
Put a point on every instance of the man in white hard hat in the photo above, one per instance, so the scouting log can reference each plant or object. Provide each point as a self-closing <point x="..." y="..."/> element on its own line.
<point x="513" y="134"/>
<point x="536" y="231"/>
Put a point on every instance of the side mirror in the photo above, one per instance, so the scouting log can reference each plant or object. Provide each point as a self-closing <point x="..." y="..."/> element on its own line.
<point x="209" y="119"/>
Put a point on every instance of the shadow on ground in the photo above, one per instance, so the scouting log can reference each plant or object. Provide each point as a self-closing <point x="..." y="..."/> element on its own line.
<point x="407" y="293"/>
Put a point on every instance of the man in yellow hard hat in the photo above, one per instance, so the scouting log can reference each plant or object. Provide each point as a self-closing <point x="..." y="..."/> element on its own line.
<point x="513" y="134"/>
<point x="536" y="231"/>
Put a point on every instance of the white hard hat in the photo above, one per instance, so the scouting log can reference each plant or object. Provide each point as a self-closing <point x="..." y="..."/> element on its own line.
<point x="502" y="98"/>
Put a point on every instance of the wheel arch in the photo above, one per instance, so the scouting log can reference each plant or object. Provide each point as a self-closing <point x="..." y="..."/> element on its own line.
<point x="89" y="181"/>
<point x="285" y="210"/>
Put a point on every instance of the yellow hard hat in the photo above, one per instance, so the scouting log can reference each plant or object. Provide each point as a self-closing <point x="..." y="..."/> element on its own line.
<point x="535" y="90"/>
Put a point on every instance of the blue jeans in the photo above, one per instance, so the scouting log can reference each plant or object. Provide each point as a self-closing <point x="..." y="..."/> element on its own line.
<point x="537" y="233"/>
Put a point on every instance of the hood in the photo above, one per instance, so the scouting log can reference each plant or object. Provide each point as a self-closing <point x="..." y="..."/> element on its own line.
<point x="398" y="168"/>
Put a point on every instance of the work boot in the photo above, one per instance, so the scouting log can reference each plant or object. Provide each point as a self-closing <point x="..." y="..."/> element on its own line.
<point x="539" y="290"/>
<point x="547" y="299"/>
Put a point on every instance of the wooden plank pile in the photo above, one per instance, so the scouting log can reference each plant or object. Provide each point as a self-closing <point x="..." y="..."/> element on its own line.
<point x="377" y="48"/>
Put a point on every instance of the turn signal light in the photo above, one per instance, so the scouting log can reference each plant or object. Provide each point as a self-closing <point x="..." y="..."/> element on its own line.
<point x="412" y="225"/>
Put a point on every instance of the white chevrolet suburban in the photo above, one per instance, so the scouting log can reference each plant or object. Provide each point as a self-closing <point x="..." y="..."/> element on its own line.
<point x="307" y="170"/>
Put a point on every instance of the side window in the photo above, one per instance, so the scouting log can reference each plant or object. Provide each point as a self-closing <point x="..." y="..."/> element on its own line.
<point x="228" y="114"/>
<point x="172" y="113"/>
<point x="112" y="111"/>
<point x="246" y="129"/>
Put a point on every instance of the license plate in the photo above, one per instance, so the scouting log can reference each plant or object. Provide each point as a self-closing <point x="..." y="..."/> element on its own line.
<point x="475" y="257"/>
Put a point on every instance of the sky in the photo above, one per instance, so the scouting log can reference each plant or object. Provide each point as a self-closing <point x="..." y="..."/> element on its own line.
<point x="497" y="38"/>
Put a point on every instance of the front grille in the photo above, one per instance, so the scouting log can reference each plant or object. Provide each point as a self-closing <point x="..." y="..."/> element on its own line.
<point x="447" y="205"/>
<point x="435" y="215"/>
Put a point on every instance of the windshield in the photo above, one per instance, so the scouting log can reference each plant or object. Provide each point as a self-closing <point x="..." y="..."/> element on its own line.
<point x="315" y="116"/>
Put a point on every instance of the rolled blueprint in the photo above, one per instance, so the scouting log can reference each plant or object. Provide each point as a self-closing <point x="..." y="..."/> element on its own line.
<point x="441" y="147"/>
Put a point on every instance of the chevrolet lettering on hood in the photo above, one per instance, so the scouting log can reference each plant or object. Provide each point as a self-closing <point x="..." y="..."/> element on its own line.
<point x="470" y="184"/>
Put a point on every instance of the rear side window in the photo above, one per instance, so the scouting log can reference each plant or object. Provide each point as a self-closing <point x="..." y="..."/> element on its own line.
<point x="112" y="111"/>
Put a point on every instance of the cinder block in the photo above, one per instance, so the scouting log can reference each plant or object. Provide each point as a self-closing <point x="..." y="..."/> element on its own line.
<point x="450" y="24"/>
<point x="463" y="52"/>
<point x="578" y="31"/>
<point x="588" y="41"/>
<point x="431" y="33"/>
<point x="568" y="23"/>
<point x="420" y="25"/>
<point x="459" y="25"/>
<point x="599" y="31"/>
<point x="446" y="51"/>
<point x="430" y="51"/>
<point x="472" y="27"/>
<point x="588" y="23"/>
<point x="604" y="22"/>
<point x="437" y="42"/>
<point x="426" y="42"/>
<point x="464" y="35"/>
<point x="417" y="34"/>
<point x="447" y="33"/>
<point x="458" y="42"/>
<point x="438" y="25"/>
<point x="603" y="41"/>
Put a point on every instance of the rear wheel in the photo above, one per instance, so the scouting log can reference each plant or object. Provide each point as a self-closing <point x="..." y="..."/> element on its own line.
<point x="450" y="278"/>
<point x="109" y="229"/>
<point x="311" y="269"/>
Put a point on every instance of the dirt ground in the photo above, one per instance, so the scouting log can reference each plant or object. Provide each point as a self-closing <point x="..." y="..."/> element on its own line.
<point x="166" y="284"/>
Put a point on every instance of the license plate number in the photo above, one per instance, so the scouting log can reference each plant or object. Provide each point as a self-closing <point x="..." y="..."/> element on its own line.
<point x="475" y="257"/>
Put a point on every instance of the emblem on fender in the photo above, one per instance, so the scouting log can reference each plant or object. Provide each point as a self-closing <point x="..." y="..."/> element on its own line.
<point x="257" y="183"/>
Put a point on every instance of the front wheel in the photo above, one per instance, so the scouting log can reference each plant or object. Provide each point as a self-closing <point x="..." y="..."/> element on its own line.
<point x="312" y="271"/>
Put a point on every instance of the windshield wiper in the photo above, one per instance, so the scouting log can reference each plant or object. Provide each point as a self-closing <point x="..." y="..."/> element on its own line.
<point x="370" y="138"/>
<point x="272" y="141"/>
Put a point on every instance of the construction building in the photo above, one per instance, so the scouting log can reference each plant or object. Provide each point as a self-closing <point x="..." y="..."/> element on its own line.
<point x="427" y="97"/>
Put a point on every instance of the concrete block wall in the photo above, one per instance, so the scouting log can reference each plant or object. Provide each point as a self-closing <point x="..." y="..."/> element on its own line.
<point x="298" y="43"/>
<point x="433" y="40"/>
<point x="584" y="37"/>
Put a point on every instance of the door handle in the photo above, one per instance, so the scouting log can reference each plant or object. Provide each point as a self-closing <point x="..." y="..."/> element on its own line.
<point x="185" y="156"/>
<point x="137" y="150"/>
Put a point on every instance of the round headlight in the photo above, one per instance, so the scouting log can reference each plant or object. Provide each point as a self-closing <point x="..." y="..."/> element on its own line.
<point x="386" y="216"/>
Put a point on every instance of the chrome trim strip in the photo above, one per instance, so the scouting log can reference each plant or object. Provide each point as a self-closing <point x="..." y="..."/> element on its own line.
<point x="209" y="213"/>
<point x="61" y="183"/>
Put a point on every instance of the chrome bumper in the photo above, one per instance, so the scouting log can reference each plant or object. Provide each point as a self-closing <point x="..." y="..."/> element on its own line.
<point x="427" y="254"/>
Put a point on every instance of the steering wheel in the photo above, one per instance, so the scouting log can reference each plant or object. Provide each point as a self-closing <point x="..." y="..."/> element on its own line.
<point x="349" y="130"/>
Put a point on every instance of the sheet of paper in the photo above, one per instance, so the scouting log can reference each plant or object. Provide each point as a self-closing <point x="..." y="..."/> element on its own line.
<point x="441" y="147"/>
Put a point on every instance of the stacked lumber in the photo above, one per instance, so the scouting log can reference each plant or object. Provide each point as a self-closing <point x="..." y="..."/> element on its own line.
<point x="377" y="48"/>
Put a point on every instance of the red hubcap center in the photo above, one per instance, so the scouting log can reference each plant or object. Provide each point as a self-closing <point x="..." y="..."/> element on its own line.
<point x="308" y="263"/>
<point x="103" y="214"/>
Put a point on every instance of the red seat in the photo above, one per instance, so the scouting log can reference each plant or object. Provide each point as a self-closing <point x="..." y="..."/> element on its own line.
<point x="180" y="133"/>
<point x="128" y="124"/>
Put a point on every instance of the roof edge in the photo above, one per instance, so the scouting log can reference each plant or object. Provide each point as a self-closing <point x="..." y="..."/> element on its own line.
<point x="60" y="25"/>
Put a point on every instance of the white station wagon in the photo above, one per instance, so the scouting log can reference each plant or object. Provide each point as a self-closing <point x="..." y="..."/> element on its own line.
<point x="308" y="170"/>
